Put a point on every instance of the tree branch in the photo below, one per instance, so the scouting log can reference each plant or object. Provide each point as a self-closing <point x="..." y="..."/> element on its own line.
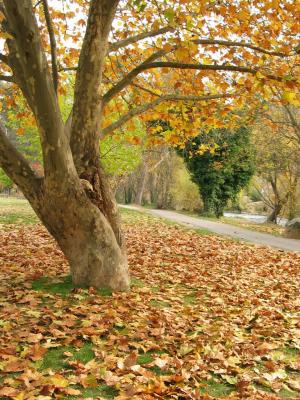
<point x="229" y="43"/>
<point x="7" y="78"/>
<point x="164" y="64"/>
<point x="52" y="44"/>
<point x="87" y="99"/>
<point x="169" y="97"/>
<point x="17" y="167"/>
<point x="30" y="67"/>
<point x="144" y="89"/>
<point x="133" y="39"/>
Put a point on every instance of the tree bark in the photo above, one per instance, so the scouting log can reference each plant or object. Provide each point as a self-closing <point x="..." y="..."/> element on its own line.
<point x="278" y="203"/>
<point x="275" y="213"/>
<point x="85" y="236"/>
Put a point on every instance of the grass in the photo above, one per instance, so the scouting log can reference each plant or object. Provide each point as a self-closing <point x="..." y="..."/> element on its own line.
<point x="16" y="211"/>
<point x="62" y="285"/>
<point x="56" y="359"/>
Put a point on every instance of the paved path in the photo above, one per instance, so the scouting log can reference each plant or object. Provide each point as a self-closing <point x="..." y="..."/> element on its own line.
<point x="225" y="229"/>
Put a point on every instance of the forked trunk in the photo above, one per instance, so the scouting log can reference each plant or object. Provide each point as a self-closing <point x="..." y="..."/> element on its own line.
<point x="84" y="233"/>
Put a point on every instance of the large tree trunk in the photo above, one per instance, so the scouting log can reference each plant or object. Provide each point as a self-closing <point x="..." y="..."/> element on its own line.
<point x="90" y="241"/>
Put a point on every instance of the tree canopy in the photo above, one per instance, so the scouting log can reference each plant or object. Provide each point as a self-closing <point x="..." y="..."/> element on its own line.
<point x="168" y="56"/>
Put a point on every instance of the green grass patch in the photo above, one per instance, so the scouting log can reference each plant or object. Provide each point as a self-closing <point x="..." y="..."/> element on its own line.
<point x="18" y="218"/>
<point x="159" y="304"/>
<point x="61" y="285"/>
<point x="16" y="211"/>
<point x="216" y="389"/>
<point x="203" y="231"/>
<point x="108" y="392"/>
<point x="55" y="358"/>
<point x="106" y="292"/>
<point x="103" y="391"/>
<point x="286" y="354"/>
<point x="189" y="299"/>
<point x="85" y="353"/>
<point x="145" y="358"/>
<point x="137" y="282"/>
<point x="159" y="372"/>
<point x="284" y="393"/>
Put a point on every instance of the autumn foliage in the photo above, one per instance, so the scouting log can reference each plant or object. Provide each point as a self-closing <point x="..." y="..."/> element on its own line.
<point x="207" y="318"/>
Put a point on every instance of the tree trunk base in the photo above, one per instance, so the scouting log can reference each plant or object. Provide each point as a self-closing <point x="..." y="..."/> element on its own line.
<point x="92" y="247"/>
<point x="100" y="269"/>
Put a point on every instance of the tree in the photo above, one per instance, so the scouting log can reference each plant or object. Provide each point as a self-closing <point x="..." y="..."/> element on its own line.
<point x="133" y="67"/>
<point x="276" y="137"/>
<point x="221" y="163"/>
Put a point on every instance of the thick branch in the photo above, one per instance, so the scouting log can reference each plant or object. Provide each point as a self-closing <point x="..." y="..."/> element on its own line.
<point x="87" y="100"/>
<point x="229" y="43"/>
<point x="17" y="168"/>
<point x="30" y="67"/>
<point x="163" y="64"/>
<point x="52" y="44"/>
<point x="145" y="107"/>
<point x="134" y="39"/>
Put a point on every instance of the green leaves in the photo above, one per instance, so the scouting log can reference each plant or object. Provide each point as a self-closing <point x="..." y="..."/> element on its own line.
<point x="169" y="14"/>
<point x="221" y="163"/>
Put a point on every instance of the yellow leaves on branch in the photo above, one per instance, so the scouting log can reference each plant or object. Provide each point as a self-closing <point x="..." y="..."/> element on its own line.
<point x="291" y="98"/>
<point x="188" y="21"/>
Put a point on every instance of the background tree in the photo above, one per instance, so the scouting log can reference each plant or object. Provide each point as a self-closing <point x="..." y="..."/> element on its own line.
<point x="221" y="163"/>
<point x="276" y="139"/>
<point x="157" y="60"/>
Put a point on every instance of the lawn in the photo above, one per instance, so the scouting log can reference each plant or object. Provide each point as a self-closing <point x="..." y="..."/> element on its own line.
<point x="16" y="211"/>
<point x="206" y="318"/>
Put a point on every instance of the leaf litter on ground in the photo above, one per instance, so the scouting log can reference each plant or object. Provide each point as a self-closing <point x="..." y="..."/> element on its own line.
<point x="206" y="318"/>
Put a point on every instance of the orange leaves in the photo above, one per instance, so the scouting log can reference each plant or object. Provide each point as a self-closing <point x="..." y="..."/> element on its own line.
<point x="37" y="352"/>
<point x="136" y="140"/>
<point x="9" y="392"/>
<point x="203" y="313"/>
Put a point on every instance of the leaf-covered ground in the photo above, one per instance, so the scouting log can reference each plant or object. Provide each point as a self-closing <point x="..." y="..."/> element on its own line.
<point x="206" y="318"/>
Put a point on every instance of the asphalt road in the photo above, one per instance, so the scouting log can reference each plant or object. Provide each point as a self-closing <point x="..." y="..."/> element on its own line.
<point x="221" y="228"/>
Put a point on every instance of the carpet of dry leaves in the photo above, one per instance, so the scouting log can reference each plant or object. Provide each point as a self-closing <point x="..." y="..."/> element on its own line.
<point x="207" y="317"/>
